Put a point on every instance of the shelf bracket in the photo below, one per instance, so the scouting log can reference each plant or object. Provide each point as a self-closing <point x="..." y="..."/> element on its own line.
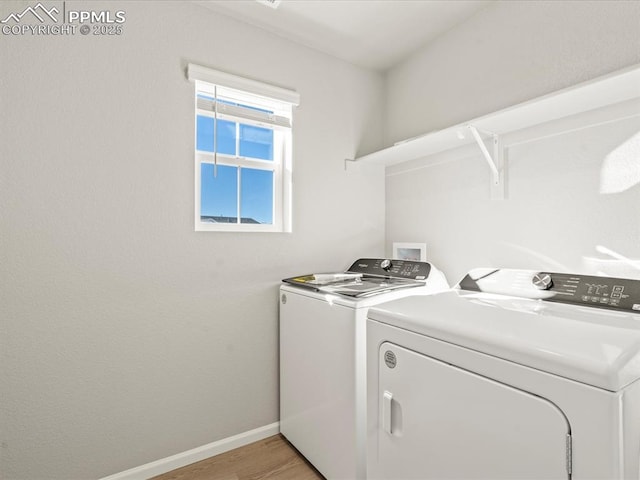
<point x="495" y="161"/>
<point x="347" y="162"/>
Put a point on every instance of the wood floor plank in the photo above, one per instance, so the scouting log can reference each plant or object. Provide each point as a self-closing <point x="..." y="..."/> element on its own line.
<point x="273" y="458"/>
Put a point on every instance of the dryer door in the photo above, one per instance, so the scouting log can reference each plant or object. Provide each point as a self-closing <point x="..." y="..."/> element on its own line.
<point x="437" y="421"/>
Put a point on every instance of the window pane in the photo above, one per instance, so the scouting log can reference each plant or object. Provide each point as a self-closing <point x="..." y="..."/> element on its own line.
<point x="256" y="196"/>
<point x="256" y="142"/>
<point x="226" y="135"/>
<point x="219" y="195"/>
<point x="204" y="134"/>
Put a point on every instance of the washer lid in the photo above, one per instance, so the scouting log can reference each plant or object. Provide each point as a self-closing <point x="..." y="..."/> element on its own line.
<point x="373" y="276"/>
<point x="358" y="287"/>
<point x="592" y="346"/>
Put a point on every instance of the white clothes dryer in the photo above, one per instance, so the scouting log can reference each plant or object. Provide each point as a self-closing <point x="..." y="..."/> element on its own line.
<point x="511" y="375"/>
<point x="323" y="356"/>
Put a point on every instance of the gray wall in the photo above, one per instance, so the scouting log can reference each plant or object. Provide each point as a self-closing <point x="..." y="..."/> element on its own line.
<point x="510" y="52"/>
<point x="126" y="336"/>
<point x="566" y="195"/>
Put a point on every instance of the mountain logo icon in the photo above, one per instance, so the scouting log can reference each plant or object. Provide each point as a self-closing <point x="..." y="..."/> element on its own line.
<point x="39" y="11"/>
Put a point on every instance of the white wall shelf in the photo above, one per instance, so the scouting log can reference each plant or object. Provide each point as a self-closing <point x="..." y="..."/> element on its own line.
<point x="575" y="107"/>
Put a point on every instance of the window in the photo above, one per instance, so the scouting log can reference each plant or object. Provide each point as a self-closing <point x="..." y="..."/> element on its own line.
<point x="243" y="153"/>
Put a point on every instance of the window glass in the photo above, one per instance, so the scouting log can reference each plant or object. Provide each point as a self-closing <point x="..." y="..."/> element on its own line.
<point x="219" y="194"/>
<point x="256" y="142"/>
<point x="256" y="196"/>
<point x="204" y="134"/>
<point x="226" y="135"/>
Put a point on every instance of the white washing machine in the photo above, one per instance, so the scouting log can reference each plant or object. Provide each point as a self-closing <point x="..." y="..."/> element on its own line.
<point x="511" y="375"/>
<point x="323" y="356"/>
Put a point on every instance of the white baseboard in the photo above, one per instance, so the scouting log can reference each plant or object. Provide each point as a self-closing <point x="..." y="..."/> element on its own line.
<point x="167" y="464"/>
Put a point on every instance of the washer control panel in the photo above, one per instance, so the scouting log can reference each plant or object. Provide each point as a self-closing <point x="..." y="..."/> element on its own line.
<point x="593" y="291"/>
<point x="391" y="268"/>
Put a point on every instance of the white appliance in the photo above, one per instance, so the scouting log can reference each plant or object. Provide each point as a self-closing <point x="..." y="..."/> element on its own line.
<point x="511" y="375"/>
<point x="322" y="356"/>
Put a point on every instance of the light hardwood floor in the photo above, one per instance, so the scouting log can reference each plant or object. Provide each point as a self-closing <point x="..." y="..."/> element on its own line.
<point x="271" y="458"/>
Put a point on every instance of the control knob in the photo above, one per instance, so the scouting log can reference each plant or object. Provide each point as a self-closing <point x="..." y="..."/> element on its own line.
<point x="542" y="281"/>
<point x="386" y="264"/>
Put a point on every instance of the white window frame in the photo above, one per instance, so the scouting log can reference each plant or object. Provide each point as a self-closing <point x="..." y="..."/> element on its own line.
<point x="279" y="100"/>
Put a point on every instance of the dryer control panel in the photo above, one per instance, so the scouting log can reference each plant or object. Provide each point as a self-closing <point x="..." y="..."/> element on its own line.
<point x="391" y="268"/>
<point x="616" y="293"/>
<point x="588" y="290"/>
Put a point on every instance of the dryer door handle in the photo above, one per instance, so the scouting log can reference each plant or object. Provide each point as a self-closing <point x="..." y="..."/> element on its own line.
<point x="387" y="399"/>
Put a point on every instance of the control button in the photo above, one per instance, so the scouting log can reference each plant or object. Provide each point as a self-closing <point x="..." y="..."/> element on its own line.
<point x="616" y="295"/>
<point x="386" y="264"/>
<point x="542" y="281"/>
<point x="618" y="288"/>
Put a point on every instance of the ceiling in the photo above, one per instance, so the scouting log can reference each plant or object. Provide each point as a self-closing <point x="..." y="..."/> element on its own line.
<point x="375" y="34"/>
